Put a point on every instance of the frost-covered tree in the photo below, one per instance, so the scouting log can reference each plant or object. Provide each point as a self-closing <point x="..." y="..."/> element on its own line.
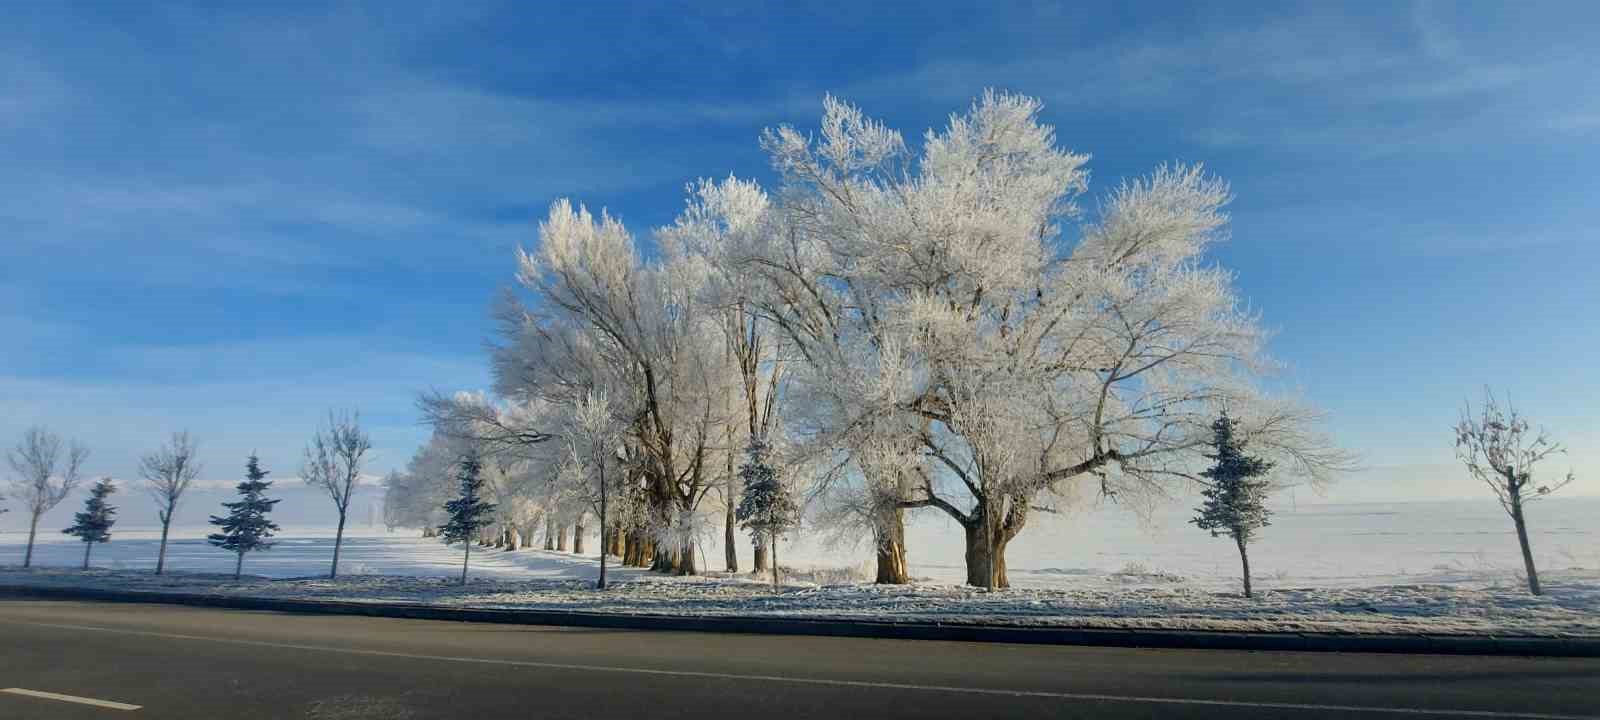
<point x="468" y="512"/>
<point x="46" y="476"/>
<point x="604" y="318"/>
<point x="957" y="300"/>
<point x="593" y="445"/>
<point x="93" y="525"/>
<point x="1500" y="449"/>
<point x="1235" y="499"/>
<point x="721" y="222"/>
<point x="333" y="461"/>
<point x="246" y="528"/>
<point x="766" y="506"/>
<point x="168" y="472"/>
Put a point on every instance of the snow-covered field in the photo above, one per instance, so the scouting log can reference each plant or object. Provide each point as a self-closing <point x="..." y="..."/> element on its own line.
<point x="1399" y="567"/>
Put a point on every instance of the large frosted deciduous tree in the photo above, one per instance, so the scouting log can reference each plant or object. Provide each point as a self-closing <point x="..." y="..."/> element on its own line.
<point x="45" y="476"/>
<point x="956" y="300"/>
<point x="333" y="462"/>
<point x="168" y="472"/>
<point x="1501" y="450"/>
<point x="604" y="318"/>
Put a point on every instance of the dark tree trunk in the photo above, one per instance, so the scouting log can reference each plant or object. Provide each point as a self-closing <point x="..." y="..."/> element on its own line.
<point x="1527" y="550"/>
<point x="730" y="551"/>
<point x="892" y="568"/>
<point x="33" y="529"/>
<point x="665" y="560"/>
<point x="465" y="558"/>
<point x="338" y="541"/>
<point x="561" y="538"/>
<point x="238" y="565"/>
<point x="549" y="534"/>
<point x="775" y="562"/>
<point x="686" y="560"/>
<point x="1244" y="560"/>
<point x="986" y="556"/>
<point x="86" y="547"/>
<point x="578" y="531"/>
<point x="161" y="554"/>
<point x="760" y="563"/>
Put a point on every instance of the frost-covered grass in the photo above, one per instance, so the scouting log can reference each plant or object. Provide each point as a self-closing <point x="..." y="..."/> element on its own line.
<point x="1570" y="607"/>
<point x="1436" y="568"/>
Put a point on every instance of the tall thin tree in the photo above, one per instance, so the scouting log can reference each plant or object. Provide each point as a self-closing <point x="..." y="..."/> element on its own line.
<point x="1500" y="450"/>
<point x="93" y="525"/>
<point x="766" y="506"/>
<point x="333" y="463"/>
<point x="47" y="477"/>
<point x="468" y="512"/>
<point x="1235" y="501"/>
<point x="168" y="472"/>
<point x="246" y="528"/>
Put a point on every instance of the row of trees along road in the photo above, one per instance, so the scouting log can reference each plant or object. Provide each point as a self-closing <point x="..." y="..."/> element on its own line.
<point x="942" y="330"/>
<point x="48" y="471"/>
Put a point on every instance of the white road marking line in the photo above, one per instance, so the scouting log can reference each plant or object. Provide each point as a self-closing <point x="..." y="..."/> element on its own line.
<point x="1093" y="697"/>
<point x="71" y="699"/>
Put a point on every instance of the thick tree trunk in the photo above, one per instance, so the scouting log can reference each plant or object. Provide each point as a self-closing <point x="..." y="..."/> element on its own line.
<point x="760" y="562"/>
<point x="892" y="569"/>
<point x="33" y="529"/>
<point x="161" y="555"/>
<point x="986" y="556"/>
<point x="632" y="548"/>
<point x="666" y="558"/>
<point x="500" y="539"/>
<point x="338" y="541"/>
<point x="1244" y="560"/>
<point x="561" y="538"/>
<point x="578" y="531"/>
<point x="549" y="534"/>
<point x="86" y="547"/>
<point x="1527" y="550"/>
<point x="238" y="565"/>
<point x="513" y="539"/>
<point x="686" y="559"/>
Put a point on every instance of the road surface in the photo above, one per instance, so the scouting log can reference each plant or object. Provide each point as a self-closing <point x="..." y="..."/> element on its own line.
<point x="57" y="659"/>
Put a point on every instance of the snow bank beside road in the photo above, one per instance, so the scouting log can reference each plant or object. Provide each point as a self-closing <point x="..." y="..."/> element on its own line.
<point x="1571" y="608"/>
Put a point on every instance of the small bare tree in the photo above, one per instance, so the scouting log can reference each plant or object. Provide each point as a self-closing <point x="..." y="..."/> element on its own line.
<point x="1500" y="449"/>
<point x="333" y="464"/>
<point x="168" y="473"/>
<point x="46" y="478"/>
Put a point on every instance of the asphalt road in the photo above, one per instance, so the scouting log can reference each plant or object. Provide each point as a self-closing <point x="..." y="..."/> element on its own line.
<point x="179" y="662"/>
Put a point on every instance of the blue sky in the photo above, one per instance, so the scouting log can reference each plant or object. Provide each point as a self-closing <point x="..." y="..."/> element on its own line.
<point x="229" y="220"/>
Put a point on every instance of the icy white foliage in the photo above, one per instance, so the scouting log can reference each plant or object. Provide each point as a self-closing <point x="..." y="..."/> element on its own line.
<point x="956" y="302"/>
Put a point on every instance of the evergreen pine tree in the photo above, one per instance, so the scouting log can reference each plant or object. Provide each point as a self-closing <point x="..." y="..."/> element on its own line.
<point x="1235" y="502"/>
<point x="246" y="527"/>
<point x="93" y="525"/>
<point x="766" y="505"/>
<point x="468" y="511"/>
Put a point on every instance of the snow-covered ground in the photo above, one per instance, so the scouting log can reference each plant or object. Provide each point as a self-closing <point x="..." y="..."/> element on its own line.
<point x="1467" y="543"/>
<point x="1399" y="567"/>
